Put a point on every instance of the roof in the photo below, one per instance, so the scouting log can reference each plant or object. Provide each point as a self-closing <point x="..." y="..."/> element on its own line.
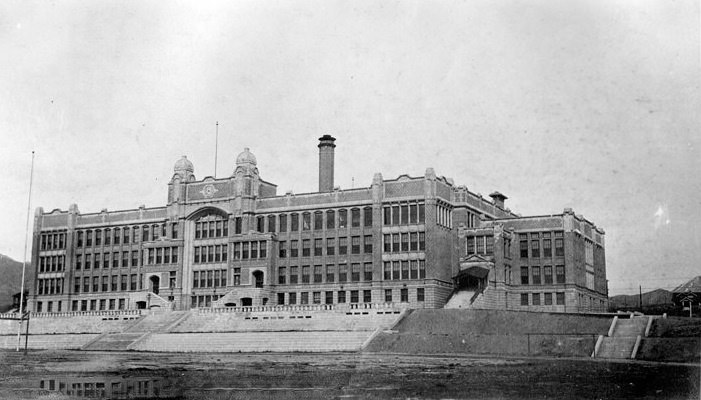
<point x="694" y="285"/>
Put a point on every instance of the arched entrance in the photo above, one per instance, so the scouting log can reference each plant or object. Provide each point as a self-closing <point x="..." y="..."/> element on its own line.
<point x="154" y="283"/>
<point x="258" y="277"/>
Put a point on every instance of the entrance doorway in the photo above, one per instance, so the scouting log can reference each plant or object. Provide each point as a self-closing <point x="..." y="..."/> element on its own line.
<point x="154" y="283"/>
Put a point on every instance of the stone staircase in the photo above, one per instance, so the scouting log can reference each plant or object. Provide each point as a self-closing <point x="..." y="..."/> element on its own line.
<point x="147" y="325"/>
<point x="460" y="299"/>
<point x="623" y="338"/>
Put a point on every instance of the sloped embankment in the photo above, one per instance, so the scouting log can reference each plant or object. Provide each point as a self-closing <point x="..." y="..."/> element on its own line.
<point x="493" y="332"/>
<point x="672" y="339"/>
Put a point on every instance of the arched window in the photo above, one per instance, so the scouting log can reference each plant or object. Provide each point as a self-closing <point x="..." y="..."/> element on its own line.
<point x="342" y="218"/>
<point x="367" y="214"/>
<point x="330" y="219"/>
<point x="211" y="225"/>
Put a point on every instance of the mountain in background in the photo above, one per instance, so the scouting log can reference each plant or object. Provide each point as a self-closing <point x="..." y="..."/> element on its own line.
<point x="10" y="281"/>
<point x="655" y="298"/>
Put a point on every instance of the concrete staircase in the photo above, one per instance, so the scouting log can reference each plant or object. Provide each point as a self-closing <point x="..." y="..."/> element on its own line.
<point x="155" y="322"/>
<point x="623" y="338"/>
<point x="460" y="299"/>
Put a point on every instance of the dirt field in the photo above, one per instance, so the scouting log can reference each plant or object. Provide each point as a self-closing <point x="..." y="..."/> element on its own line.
<point x="381" y="376"/>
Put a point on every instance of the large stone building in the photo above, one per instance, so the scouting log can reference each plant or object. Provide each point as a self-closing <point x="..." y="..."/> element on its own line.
<point x="223" y="242"/>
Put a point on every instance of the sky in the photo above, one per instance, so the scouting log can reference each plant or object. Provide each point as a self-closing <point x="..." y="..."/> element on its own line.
<point x="592" y="105"/>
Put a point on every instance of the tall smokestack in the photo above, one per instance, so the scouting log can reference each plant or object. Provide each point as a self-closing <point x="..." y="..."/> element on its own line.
<point x="326" y="151"/>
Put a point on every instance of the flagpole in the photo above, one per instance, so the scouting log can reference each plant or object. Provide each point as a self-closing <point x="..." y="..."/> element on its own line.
<point x="216" y="148"/>
<point x="24" y="260"/>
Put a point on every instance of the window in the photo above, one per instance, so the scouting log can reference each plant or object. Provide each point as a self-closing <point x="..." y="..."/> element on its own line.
<point x="342" y="246"/>
<point x="548" y="275"/>
<point x="282" y="249"/>
<point x="318" y="221"/>
<point x="115" y="283"/>
<point x="405" y="269"/>
<point x="283" y="222"/>
<point x="404" y="214"/>
<point x="355" y="272"/>
<point x="355" y="217"/>
<point x="318" y="247"/>
<point x="282" y="275"/>
<point x="105" y="283"/>
<point x="132" y="284"/>
<point x="330" y="219"/>
<point x="367" y="296"/>
<point x="317" y="274"/>
<point x="560" y="298"/>
<point x="368" y="272"/>
<point x="342" y="272"/>
<point x="354" y="296"/>
<point x="524" y="275"/>
<point x="414" y="269"/>
<point x="523" y="243"/>
<point x="420" y="296"/>
<point x="559" y="247"/>
<point x="386" y="215"/>
<point x="413" y="216"/>
<point x="330" y="272"/>
<point x="388" y="295"/>
<point x="387" y="240"/>
<point x="490" y="245"/>
<point x="304" y="298"/>
<point x="367" y="214"/>
<point x="330" y="246"/>
<point x="395" y="215"/>
<point x="293" y="274"/>
<point x="536" y="299"/>
<point x="404" y="295"/>
<point x="560" y="273"/>
<point x="306" y="221"/>
<point x="306" y="247"/>
<point x="547" y="246"/>
<point x="329" y="298"/>
<point x="395" y="243"/>
<point x="535" y="272"/>
<point x="293" y="297"/>
<point x="271" y="228"/>
<point x="422" y="241"/>
<point x="535" y="247"/>
<point x="342" y="218"/>
<point x="414" y="241"/>
<point x="524" y="299"/>
<point x="355" y="245"/>
<point x="341" y="296"/>
<point x="260" y="224"/>
<point x="395" y="270"/>
<point x="281" y="299"/>
<point x="548" y="299"/>
<point x="316" y="297"/>
<point x="294" y="248"/>
<point x="98" y="237"/>
<point x="405" y="241"/>
<point x="294" y="222"/>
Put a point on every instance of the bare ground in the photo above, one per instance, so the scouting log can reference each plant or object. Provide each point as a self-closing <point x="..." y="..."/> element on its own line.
<point x="348" y="375"/>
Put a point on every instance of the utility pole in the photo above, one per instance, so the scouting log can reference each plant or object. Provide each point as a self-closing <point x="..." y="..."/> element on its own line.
<point x="24" y="260"/>
<point x="640" y="298"/>
<point x="216" y="148"/>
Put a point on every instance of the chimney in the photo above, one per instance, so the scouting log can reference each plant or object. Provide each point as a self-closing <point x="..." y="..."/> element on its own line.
<point x="498" y="199"/>
<point x="326" y="156"/>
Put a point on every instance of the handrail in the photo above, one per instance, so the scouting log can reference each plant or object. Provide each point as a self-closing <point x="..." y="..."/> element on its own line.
<point x="613" y="326"/>
<point x="636" y="347"/>
<point x="648" y="327"/>
<point x="597" y="346"/>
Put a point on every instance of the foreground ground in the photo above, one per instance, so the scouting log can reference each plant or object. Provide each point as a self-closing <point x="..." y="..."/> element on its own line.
<point x="302" y="376"/>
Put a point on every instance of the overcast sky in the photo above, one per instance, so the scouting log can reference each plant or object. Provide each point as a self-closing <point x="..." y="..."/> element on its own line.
<point x="592" y="105"/>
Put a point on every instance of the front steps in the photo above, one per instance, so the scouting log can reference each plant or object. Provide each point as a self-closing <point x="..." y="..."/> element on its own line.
<point x="623" y="338"/>
<point x="155" y="322"/>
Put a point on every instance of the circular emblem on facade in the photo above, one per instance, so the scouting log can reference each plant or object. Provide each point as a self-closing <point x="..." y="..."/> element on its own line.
<point x="208" y="191"/>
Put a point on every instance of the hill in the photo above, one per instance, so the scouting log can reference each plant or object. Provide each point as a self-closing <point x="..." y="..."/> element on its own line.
<point x="657" y="297"/>
<point x="11" y="272"/>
